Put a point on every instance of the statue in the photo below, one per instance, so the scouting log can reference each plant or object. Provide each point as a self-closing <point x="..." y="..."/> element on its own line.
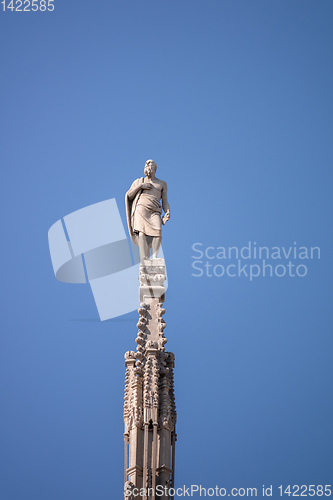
<point x="143" y="210"/>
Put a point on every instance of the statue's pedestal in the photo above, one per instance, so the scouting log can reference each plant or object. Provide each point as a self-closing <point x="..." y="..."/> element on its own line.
<point x="152" y="277"/>
<point x="149" y="408"/>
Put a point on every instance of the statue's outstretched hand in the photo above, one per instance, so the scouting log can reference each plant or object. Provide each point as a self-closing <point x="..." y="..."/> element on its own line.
<point x="165" y="218"/>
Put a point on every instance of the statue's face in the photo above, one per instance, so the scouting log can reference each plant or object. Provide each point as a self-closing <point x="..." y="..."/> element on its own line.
<point x="150" y="169"/>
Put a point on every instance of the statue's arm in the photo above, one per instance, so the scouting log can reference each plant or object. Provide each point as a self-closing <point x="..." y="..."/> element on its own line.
<point x="136" y="186"/>
<point x="165" y="203"/>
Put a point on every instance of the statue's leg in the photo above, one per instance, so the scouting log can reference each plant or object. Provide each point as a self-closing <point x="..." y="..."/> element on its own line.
<point x="156" y="245"/>
<point x="149" y="240"/>
<point x="143" y="247"/>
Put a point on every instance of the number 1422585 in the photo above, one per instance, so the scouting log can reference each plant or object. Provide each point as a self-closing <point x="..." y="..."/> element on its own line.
<point x="28" y="5"/>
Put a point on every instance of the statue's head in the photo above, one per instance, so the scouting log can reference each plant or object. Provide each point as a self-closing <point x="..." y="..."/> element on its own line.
<point x="150" y="168"/>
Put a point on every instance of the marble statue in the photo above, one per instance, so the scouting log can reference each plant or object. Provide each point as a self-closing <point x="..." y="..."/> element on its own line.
<point x="144" y="211"/>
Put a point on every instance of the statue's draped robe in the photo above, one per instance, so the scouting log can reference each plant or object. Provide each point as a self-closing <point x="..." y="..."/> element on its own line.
<point x="143" y="213"/>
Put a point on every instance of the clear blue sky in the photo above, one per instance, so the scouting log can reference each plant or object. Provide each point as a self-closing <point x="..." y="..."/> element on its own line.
<point x="233" y="100"/>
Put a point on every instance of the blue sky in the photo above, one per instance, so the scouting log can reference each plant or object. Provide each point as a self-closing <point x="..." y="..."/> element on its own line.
<point x="233" y="100"/>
